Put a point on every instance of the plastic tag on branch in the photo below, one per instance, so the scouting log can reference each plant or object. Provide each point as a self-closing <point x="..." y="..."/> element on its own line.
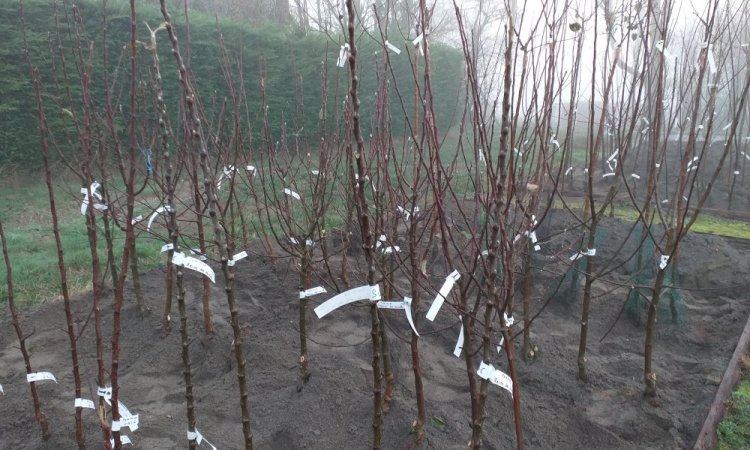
<point x="570" y="169"/>
<point x="198" y="438"/>
<point x="460" y="342"/>
<point x="406" y="213"/>
<point x="371" y="293"/>
<point x="105" y="392"/>
<point x="124" y="440"/>
<point x="450" y="280"/>
<point x="312" y="291"/>
<point x="40" y="376"/>
<point x="480" y="156"/>
<point x="663" y="261"/>
<point x="405" y="305"/>
<point x="710" y="57"/>
<point x="555" y="142"/>
<point x="495" y="376"/>
<point x="292" y="194"/>
<point x="159" y="210"/>
<point x="188" y="262"/>
<point x="508" y="321"/>
<point x="167" y="247"/>
<point x="251" y="169"/>
<point x="197" y="251"/>
<point x="393" y="48"/>
<point x="589" y="252"/>
<point x="635" y="176"/>
<point x="418" y="40"/>
<point x="136" y="219"/>
<point x="84" y="403"/>
<point x="237" y="257"/>
<point x="607" y="175"/>
<point x="343" y="55"/>
<point x="1" y="389"/>
<point x="308" y="242"/>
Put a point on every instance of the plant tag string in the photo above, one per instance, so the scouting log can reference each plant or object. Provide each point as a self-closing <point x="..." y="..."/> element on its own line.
<point x="450" y="280"/>
<point x="405" y="305"/>
<point x="40" y="376"/>
<point x="198" y="438"/>
<point x="371" y="293"/>
<point x="495" y="376"/>
<point x="179" y="259"/>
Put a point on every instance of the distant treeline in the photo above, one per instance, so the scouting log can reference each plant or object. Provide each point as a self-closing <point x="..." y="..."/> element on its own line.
<point x="293" y="64"/>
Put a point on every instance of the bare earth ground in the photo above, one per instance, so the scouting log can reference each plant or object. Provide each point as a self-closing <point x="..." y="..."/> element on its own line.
<point x="334" y="409"/>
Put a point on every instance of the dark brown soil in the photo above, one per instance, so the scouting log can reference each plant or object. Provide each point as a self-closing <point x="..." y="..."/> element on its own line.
<point x="334" y="409"/>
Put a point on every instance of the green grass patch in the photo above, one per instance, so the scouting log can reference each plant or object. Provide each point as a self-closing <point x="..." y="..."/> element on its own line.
<point x="734" y="430"/>
<point x="24" y="210"/>
<point x="705" y="224"/>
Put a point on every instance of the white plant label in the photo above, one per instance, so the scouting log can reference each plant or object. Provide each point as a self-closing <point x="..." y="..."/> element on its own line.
<point x="167" y="247"/>
<point x="371" y="293"/>
<point x="418" y="40"/>
<point x="343" y="55"/>
<point x="188" y="262"/>
<point x="663" y="261"/>
<point x="104" y="392"/>
<point x="508" y="321"/>
<point x="237" y="257"/>
<point x="495" y="376"/>
<point x="407" y="214"/>
<point x="460" y="342"/>
<point x="312" y="291"/>
<point x="251" y="169"/>
<point x="40" y="376"/>
<point x="500" y="345"/>
<point x="405" y="305"/>
<point x="532" y="236"/>
<point x="292" y="194"/>
<point x="613" y="155"/>
<point x="123" y="439"/>
<point x="159" y="210"/>
<point x="636" y="176"/>
<point x="136" y="219"/>
<point x="84" y="403"/>
<point x="393" y="48"/>
<point x="589" y="252"/>
<point x="198" y="438"/>
<point x="570" y="169"/>
<point x="130" y="421"/>
<point x="450" y="280"/>
<point x="85" y="204"/>
<point x="555" y="142"/>
<point x="1" y="389"/>
<point x="607" y="175"/>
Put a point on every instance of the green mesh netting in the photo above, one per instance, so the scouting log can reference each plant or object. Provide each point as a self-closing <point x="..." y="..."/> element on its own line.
<point x="671" y="308"/>
<point x="572" y="282"/>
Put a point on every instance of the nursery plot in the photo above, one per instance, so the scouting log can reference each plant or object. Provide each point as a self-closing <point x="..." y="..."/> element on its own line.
<point x="334" y="409"/>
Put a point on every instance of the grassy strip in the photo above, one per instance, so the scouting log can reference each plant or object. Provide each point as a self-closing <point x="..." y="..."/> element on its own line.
<point x="734" y="431"/>
<point x="24" y="210"/>
<point x="705" y="224"/>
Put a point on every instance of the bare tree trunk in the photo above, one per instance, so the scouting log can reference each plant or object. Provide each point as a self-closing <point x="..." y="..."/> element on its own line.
<point x="40" y="417"/>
